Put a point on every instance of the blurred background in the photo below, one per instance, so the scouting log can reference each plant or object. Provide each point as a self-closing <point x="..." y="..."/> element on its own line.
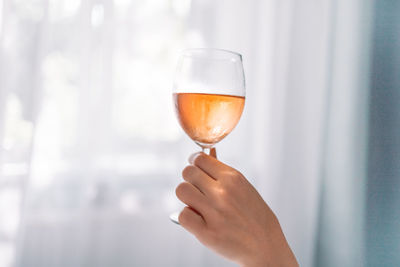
<point x="90" y="150"/>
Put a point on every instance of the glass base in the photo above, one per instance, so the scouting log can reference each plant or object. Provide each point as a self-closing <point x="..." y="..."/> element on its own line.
<point x="174" y="217"/>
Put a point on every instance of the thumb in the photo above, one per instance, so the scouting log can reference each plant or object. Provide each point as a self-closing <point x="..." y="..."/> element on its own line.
<point x="213" y="152"/>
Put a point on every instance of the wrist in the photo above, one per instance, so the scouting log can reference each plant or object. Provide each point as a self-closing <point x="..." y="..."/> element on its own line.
<point x="283" y="262"/>
<point x="277" y="254"/>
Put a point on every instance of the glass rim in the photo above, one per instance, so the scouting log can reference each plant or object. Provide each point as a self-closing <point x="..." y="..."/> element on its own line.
<point x="186" y="52"/>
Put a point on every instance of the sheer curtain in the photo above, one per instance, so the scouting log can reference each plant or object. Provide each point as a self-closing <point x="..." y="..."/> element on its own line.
<point x="306" y="121"/>
<point x="91" y="151"/>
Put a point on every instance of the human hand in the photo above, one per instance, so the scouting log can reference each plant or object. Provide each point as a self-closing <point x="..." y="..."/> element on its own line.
<point x="226" y="214"/>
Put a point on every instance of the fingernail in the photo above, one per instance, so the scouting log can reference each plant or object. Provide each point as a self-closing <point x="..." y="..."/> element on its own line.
<point x="193" y="156"/>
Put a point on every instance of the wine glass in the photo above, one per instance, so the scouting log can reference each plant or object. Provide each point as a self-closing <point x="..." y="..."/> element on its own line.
<point x="209" y="95"/>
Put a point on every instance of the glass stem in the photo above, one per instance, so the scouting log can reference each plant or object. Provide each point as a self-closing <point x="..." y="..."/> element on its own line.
<point x="206" y="150"/>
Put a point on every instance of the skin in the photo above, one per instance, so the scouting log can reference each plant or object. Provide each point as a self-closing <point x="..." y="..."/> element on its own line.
<point x="227" y="214"/>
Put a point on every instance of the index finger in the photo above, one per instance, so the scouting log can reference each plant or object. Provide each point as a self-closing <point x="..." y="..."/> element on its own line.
<point x="209" y="164"/>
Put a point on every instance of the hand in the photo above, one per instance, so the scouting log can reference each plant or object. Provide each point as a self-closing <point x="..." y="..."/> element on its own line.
<point x="226" y="213"/>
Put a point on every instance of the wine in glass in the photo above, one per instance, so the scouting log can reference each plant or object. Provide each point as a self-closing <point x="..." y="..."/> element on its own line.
<point x="209" y="95"/>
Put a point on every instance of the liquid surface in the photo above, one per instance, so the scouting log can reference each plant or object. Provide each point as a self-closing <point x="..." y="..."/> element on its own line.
<point x="208" y="118"/>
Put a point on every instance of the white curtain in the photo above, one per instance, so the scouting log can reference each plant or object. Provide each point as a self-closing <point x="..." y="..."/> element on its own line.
<point x="91" y="151"/>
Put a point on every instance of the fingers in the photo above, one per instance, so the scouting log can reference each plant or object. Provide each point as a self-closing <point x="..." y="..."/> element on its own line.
<point x="209" y="165"/>
<point x="191" y="221"/>
<point x="191" y="196"/>
<point x="198" y="178"/>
